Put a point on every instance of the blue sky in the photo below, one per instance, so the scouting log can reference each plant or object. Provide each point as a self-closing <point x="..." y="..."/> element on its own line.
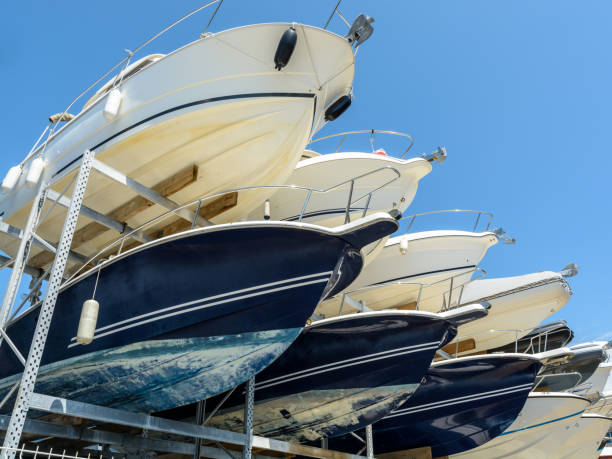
<point x="518" y="92"/>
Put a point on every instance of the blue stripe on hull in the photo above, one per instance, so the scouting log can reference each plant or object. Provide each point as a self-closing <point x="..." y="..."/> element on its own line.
<point x="462" y="405"/>
<point x="157" y="375"/>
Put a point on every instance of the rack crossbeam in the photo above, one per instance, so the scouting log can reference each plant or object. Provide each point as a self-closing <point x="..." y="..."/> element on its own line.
<point x="148" y="193"/>
<point x="122" y="440"/>
<point x="97" y="413"/>
<point x="99" y="217"/>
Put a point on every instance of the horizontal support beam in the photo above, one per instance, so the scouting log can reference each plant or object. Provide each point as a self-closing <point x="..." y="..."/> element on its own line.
<point x="16" y="233"/>
<point x="147" y="192"/>
<point x="34" y="272"/>
<point x="63" y="406"/>
<point x="98" y="217"/>
<point x="359" y="305"/>
<point x="95" y="437"/>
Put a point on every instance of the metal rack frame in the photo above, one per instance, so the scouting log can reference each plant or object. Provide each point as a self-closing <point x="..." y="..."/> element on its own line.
<point x="16" y="424"/>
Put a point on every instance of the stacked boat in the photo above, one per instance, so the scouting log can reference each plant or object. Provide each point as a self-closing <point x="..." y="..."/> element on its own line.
<point x="217" y="246"/>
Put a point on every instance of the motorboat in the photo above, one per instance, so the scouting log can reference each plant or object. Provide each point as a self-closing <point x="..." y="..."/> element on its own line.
<point x="518" y="304"/>
<point x="539" y="429"/>
<point x="414" y="271"/>
<point x="543" y="338"/>
<point x="334" y="188"/>
<point x="344" y="373"/>
<point x="463" y="403"/>
<point x="370" y="182"/>
<point x="583" y="438"/>
<point x="585" y="360"/>
<point x="190" y="315"/>
<point x="184" y="124"/>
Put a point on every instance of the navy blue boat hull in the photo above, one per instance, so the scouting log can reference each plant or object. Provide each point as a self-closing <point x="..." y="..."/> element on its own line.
<point x="463" y="404"/>
<point x="340" y="375"/>
<point x="188" y="316"/>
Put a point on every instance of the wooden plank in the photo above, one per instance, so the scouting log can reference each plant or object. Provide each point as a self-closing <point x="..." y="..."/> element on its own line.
<point x="461" y="346"/>
<point x="415" y="453"/>
<point x="208" y="210"/>
<point x="166" y="187"/>
<point x="407" y="307"/>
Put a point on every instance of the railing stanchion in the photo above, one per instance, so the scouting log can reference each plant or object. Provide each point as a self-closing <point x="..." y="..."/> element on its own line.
<point x="476" y="224"/>
<point x="367" y="205"/>
<point x="305" y="205"/>
<point x="516" y="340"/>
<point x="450" y="292"/>
<point x="196" y="214"/>
<point x="347" y="216"/>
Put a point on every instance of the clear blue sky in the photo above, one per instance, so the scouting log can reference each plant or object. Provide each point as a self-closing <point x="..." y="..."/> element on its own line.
<point x="519" y="92"/>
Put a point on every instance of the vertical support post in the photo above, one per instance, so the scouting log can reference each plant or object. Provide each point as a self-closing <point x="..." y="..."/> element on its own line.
<point x="28" y="379"/>
<point x="22" y="255"/>
<point x="324" y="443"/>
<point x="200" y="412"/>
<point x="248" y="418"/>
<point x="369" y="442"/>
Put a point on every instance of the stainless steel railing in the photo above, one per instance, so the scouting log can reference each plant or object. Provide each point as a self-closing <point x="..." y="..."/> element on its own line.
<point x="197" y="204"/>
<point x="478" y="213"/>
<point x="446" y="297"/>
<point x="372" y="133"/>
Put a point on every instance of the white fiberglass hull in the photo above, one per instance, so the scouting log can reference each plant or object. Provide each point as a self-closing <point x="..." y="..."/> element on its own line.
<point x="218" y="104"/>
<point x="517" y="303"/>
<point x="431" y="258"/>
<point x="537" y="432"/>
<point x="384" y="183"/>
<point x="584" y="437"/>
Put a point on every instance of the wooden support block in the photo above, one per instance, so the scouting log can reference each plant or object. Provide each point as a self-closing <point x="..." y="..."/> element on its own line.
<point x="407" y="307"/>
<point x="209" y="209"/>
<point x="461" y="346"/>
<point x="166" y="187"/>
<point x="415" y="453"/>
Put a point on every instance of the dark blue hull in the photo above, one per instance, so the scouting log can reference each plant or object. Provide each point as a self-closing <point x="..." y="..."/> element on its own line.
<point x="463" y="403"/>
<point x="190" y="315"/>
<point x="340" y="375"/>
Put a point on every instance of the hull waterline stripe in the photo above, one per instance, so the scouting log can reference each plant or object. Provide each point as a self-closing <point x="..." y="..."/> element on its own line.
<point x="423" y="274"/>
<point x="466" y="399"/>
<point x="202" y="306"/>
<point x="543" y="423"/>
<point x="210" y="298"/>
<point x="187" y="105"/>
<point x="325" y="370"/>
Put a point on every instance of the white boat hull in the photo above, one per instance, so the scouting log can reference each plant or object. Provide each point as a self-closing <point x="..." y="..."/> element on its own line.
<point x="393" y="181"/>
<point x="584" y="437"/>
<point x="240" y="121"/>
<point x="431" y="257"/>
<point x="537" y="432"/>
<point x="517" y="303"/>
